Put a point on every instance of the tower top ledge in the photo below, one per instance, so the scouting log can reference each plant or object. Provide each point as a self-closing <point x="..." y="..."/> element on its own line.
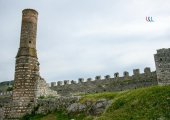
<point x="163" y="50"/>
<point x="30" y="10"/>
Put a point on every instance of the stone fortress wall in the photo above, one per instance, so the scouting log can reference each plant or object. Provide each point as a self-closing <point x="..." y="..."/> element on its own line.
<point x="44" y="90"/>
<point x="99" y="84"/>
<point x="106" y="84"/>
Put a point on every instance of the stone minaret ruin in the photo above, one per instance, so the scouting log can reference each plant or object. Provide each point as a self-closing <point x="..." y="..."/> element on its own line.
<point x="26" y="69"/>
<point x="27" y="65"/>
<point x="28" y="85"/>
<point x="162" y="62"/>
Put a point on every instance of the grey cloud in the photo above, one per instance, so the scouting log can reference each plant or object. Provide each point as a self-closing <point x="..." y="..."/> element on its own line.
<point x="86" y="38"/>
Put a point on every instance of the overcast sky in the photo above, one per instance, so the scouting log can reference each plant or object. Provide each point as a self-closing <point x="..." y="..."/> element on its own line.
<point x="85" y="38"/>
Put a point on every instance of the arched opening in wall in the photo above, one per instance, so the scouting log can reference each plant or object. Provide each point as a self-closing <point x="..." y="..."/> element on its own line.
<point x="29" y="41"/>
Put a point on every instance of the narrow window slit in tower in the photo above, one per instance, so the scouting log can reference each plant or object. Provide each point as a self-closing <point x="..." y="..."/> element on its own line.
<point x="160" y="59"/>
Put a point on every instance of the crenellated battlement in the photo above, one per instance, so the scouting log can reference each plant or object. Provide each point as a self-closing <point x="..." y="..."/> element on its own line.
<point x="7" y="93"/>
<point x="66" y="82"/>
<point x="107" y="83"/>
<point x="107" y="77"/>
<point x="163" y="50"/>
<point x="136" y="72"/>
<point x="113" y="82"/>
<point x="80" y="80"/>
<point x="98" y="77"/>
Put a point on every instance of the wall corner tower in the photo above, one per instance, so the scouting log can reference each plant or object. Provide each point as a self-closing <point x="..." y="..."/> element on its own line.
<point x="162" y="62"/>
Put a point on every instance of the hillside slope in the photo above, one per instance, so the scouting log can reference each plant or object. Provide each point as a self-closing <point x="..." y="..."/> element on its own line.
<point x="152" y="103"/>
<point x="5" y="86"/>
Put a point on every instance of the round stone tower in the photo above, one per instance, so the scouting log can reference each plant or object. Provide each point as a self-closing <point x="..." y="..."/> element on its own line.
<point x="162" y="62"/>
<point x="28" y="33"/>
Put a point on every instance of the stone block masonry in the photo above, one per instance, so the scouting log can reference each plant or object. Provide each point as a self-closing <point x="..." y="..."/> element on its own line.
<point x="27" y="65"/>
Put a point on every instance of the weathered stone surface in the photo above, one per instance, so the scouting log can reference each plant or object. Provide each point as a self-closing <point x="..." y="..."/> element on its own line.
<point x="50" y="105"/>
<point x="2" y="109"/>
<point x="76" y="107"/>
<point x="99" y="107"/>
<point x="44" y="90"/>
<point x="71" y="105"/>
<point x="162" y="62"/>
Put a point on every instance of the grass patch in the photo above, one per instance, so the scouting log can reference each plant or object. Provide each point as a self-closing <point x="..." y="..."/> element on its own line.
<point x="97" y="96"/>
<point x="151" y="103"/>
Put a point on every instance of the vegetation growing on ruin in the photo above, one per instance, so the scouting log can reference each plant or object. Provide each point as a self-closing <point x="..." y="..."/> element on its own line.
<point x="46" y="97"/>
<point x="150" y="103"/>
